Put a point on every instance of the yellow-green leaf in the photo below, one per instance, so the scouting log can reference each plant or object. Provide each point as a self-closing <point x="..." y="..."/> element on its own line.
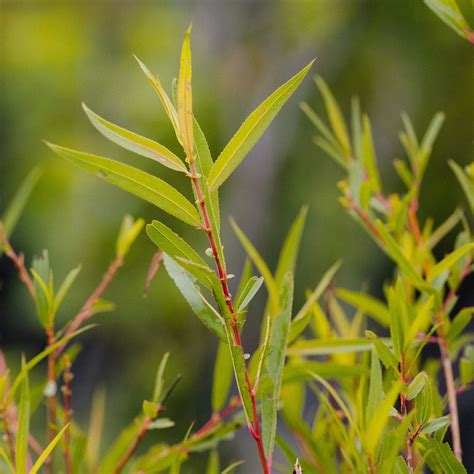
<point x="141" y="184"/>
<point x="252" y="129"/>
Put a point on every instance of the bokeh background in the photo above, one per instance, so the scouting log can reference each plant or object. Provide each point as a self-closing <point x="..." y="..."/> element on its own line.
<point x="395" y="54"/>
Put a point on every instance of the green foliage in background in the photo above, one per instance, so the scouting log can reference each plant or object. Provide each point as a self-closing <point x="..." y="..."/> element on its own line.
<point x="380" y="408"/>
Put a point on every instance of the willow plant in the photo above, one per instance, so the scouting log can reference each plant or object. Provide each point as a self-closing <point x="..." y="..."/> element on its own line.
<point x="186" y="266"/>
<point x="417" y="309"/>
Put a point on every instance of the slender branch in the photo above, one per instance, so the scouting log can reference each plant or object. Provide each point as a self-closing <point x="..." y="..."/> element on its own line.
<point x="66" y="389"/>
<point x="405" y="410"/>
<point x="19" y="262"/>
<point x="133" y="446"/>
<point x="254" y="427"/>
<point x="87" y="310"/>
<point x="52" y="398"/>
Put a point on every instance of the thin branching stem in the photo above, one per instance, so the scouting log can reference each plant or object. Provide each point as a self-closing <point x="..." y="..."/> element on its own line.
<point x="67" y="377"/>
<point x="19" y="262"/>
<point x="52" y="398"/>
<point x="254" y="427"/>
<point x="87" y="310"/>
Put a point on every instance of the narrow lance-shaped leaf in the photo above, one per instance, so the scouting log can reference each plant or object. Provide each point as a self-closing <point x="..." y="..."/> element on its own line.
<point x="375" y="388"/>
<point x="369" y="159"/>
<point x="366" y="303"/>
<point x="65" y="286"/>
<point x="275" y="362"/>
<point x="178" y="249"/>
<point x="466" y="181"/>
<point x="449" y="261"/>
<point x="17" y="204"/>
<point x="185" y="96"/>
<point x="222" y="377"/>
<point x="129" y="232"/>
<point x="258" y="261"/>
<point x="252" y="129"/>
<point x="141" y="184"/>
<point x="47" y="451"/>
<point x="302" y="318"/>
<point x="136" y="143"/>
<point x="184" y="281"/>
<point x="248" y="292"/>
<point x="23" y="429"/>
<point x="165" y="100"/>
<point x="336" y="118"/>
<point x="159" y="380"/>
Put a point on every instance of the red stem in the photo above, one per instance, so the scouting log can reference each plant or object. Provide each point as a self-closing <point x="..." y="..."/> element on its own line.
<point x="67" y="376"/>
<point x="254" y="427"/>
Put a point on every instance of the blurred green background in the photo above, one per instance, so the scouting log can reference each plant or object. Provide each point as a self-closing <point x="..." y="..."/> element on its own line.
<point x="395" y="54"/>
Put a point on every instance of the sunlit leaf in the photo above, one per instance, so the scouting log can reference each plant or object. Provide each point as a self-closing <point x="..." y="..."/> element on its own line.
<point x="248" y="292"/>
<point x="178" y="249"/>
<point x="275" y="361"/>
<point x="136" y="143"/>
<point x="449" y="261"/>
<point x="185" y="96"/>
<point x="252" y="129"/>
<point x="19" y="200"/>
<point x="366" y="303"/>
<point x="466" y="181"/>
<point x="375" y="388"/>
<point x="65" y="286"/>
<point x="141" y="184"/>
<point x="23" y="429"/>
<point x="185" y="283"/>
<point x="129" y="231"/>
<point x="222" y="377"/>
<point x="47" y="451"/>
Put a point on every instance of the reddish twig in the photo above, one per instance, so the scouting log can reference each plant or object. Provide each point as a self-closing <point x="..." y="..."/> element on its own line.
<point x="66" y="389"/>
<point x="254" y="427"/>
<point x="87" y="310"/>
<point x="52" y="398"/>
<point x="19" y="262"/>
<point x="8" y="435"/>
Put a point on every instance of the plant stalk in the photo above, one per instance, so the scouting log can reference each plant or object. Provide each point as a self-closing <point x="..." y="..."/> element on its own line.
<point x="255" y="427"/>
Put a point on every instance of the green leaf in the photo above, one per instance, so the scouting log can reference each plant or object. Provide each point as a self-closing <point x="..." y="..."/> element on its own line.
<point x="366" y="303"/>
<point x="417" y="385"/>
<point x="129" y="231"/>
<point x="299" y="322"/>
<point x="7" y="460"/>
<point x="396" y="325"/>
<point x="467" y="183"/>
<point x="369" y="159"/>
<point x="41" y="276"/>
<point x="47" y="451"/>
<point x="444" y="228"/>
<point x="37" y="359"/>
<point x="459" y="323"/>
<point x="444" y="458"/>
<point x="275" y="361"/>
<point x="136" y="143"/>
<point x="466" y="371"/>
<point x="231" y="467"/>
<point x="289" y="252"/>
<point x="424" y="404"/>
<point x="375" y="388"/>
<point x="428" y="140"/>
<point x="150" y="409"/>
<point x="262" y="267"/>
<point x="17" y="204"/>
<point x="422" y="321"/>
<point x="384" y="353"/>
<point x="396" y="254"/>
<point x="178" y="249"/>
<point x="435" y="424"/>
<point x="65" y="286"/>
<point x="238" y="364"/>
<point x="141" y="184"/>
<point x="165" y="100"/>
<point x="449" y="13"/>
<point x="336" y="118"/>
<point x="380" y="419"/>
<point x="252" y="129"/>
<point x="330" y="346"/>
<point x="449" y="261"/>
<point x="159" y="379"/>
<point x="185" y="96"/>
<point x="185" y="283"/>
<point x="400" y="466"/>
<point x="222" y="380"/>
<point x="23" y="428"/>
<point x="213" y="464"/>
<point x="248" y="292"/>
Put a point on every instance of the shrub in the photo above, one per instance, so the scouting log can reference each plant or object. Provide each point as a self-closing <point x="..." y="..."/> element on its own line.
<point x="380" y="408"/>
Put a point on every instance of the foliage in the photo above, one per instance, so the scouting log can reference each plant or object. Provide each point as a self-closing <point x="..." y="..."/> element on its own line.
<point x="379" y="405"/>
